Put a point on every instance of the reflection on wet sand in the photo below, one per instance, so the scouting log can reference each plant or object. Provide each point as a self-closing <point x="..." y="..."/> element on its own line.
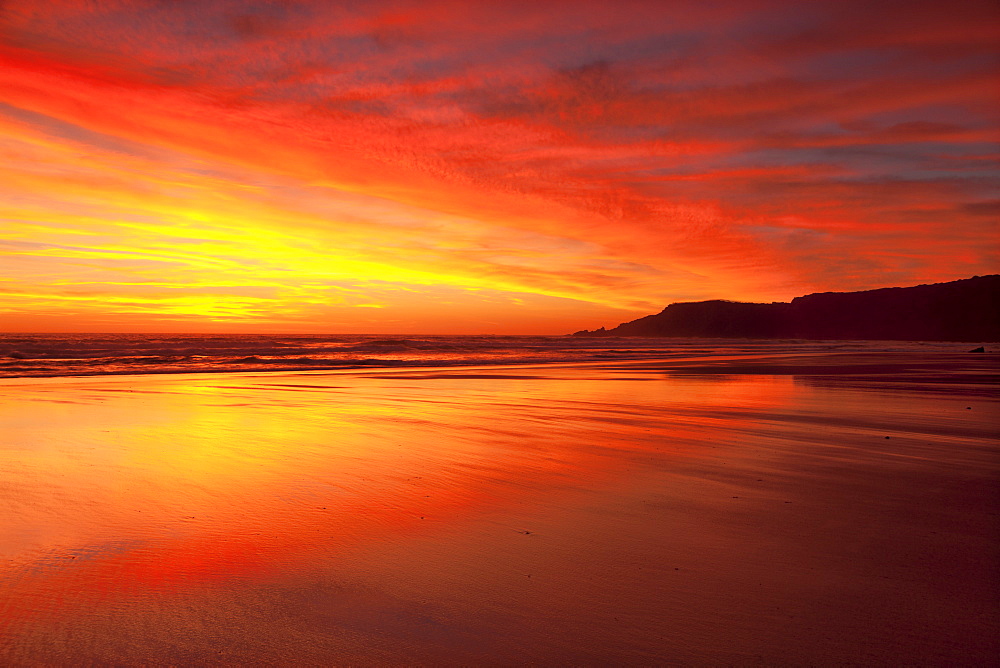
<point x="561" y="514"/>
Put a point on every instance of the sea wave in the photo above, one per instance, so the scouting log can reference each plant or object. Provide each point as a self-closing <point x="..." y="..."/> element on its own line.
<point x="95" y="354"/>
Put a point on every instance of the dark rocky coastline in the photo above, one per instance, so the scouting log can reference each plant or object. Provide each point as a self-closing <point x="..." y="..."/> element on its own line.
<point x="963" y="310"/>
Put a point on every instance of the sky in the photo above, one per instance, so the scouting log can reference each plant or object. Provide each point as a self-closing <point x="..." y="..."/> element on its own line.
<point x="483" y="167"/>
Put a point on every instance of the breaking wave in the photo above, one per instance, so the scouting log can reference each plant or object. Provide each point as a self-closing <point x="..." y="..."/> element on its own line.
<point x="23" y="355"/>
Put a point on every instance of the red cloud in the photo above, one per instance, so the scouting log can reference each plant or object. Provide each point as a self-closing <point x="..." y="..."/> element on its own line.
<point x="682" y="138"/>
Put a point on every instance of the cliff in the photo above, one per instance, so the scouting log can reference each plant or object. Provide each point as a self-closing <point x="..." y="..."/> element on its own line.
<point x="963" y="310"/>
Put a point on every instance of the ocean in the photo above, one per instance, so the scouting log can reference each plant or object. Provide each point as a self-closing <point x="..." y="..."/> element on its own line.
<point x="41" y="355"/>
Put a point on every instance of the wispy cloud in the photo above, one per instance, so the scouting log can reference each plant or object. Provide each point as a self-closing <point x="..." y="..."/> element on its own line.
<point x="295" y="160"/>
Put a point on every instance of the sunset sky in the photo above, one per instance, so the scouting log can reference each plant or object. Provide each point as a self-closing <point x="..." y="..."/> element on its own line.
<point x="483" y="167"/>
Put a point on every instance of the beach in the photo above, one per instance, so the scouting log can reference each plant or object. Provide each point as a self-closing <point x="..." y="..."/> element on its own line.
<point x="808" y="509"/>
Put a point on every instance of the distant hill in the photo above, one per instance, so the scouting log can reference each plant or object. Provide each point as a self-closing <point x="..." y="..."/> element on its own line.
<point x="964" y="310"/>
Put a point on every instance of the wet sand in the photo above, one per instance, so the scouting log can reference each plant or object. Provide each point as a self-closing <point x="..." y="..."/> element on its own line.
<point x="807" y="510"/>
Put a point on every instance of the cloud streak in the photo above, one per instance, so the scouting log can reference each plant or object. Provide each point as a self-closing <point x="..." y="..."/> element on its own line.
<point x="542" y="164"/>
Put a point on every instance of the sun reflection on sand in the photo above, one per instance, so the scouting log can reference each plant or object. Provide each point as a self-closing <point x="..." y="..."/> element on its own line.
<point x="228" y="479"/>
<point x="464" y="503"/>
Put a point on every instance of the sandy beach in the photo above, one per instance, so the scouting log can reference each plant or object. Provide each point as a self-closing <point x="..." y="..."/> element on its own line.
<point x="799" y="510"/>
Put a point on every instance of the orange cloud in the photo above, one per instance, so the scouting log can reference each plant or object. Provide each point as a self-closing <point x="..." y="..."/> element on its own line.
<point x="257" y="164"/>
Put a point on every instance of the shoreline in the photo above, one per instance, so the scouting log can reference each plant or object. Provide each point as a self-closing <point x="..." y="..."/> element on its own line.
<point x="823" y="363"/>
<point x="196" y="355"/>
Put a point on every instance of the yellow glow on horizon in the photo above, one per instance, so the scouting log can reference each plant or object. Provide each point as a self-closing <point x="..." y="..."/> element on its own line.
<point x="231" y="206"/>
<point x="152" y="250"/>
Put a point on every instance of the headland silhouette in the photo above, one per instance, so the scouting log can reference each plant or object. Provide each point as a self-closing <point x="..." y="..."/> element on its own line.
<point x="962" y="310"/>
